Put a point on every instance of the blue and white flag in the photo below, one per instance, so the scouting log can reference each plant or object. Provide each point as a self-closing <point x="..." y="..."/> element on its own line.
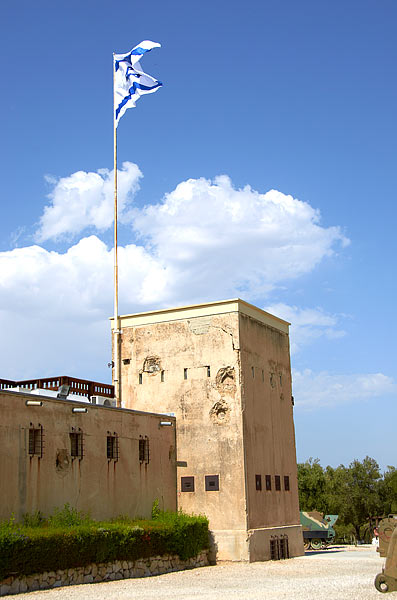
<point x="130" y="82"/>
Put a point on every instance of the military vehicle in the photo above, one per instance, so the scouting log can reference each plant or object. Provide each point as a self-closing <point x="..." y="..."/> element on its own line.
<point x="318" y="531"/>
<point x="387" y="580"/>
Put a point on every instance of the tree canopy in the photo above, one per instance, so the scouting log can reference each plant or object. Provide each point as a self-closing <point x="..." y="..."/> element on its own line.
<point x="357" y="493"/>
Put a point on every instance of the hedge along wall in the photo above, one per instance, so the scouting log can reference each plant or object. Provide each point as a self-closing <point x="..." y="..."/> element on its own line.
<point x="26" y="551"/>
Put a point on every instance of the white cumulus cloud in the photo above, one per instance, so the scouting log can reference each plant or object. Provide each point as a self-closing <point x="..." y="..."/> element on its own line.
<point x="223" y="241"/>
<point x="307" y="324"/>
<point x="85" y="200"/>
<point x="205" y="240"/>
<point x="315" y="390"/>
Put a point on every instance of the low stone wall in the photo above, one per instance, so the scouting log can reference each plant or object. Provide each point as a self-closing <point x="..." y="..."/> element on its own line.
<point x="95" y="573"/>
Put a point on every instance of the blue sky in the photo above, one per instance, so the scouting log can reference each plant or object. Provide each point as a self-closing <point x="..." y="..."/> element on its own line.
<point x="298" y="98"/>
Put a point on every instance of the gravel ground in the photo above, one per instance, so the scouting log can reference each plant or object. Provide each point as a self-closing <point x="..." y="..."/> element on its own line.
<point x="339" y="573"/>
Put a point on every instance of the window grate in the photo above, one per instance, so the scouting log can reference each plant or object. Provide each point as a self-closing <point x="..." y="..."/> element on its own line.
<point x="76" y="444"/>
<point x="144" y="454"/>
<point x="284" y="547"/>
<point x="112" y="446"/>
<point x="274" y="549"/>
<point x="36" y="441"/>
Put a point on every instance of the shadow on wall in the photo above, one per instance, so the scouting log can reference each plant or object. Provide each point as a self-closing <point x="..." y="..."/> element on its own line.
<point x="213" y="551"/>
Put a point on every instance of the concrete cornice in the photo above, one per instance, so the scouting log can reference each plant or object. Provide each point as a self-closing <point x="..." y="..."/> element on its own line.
<point x="203" y="310"/>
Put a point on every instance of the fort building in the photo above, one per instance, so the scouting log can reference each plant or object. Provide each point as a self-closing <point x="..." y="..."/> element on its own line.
<point x="223" y="370"/>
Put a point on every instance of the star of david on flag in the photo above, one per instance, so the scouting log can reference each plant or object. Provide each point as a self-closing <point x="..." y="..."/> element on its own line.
<point x="130" y="82"/>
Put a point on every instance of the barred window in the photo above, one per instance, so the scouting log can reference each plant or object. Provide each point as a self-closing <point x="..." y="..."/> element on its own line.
<point x="76" y="443"/>
<point x="286" y="483"/>
<point x="112" y="446"/>
<point x="36" y="441"/>
<point x="144" y="450"/>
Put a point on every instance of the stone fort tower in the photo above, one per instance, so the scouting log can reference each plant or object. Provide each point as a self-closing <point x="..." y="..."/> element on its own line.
<point x="223" y="369"/>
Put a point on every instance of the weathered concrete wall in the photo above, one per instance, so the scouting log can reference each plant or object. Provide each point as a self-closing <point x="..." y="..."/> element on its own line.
<point x="206" y="404"/>
<point x="105" y="488"/>
<point x="269" y="437"/>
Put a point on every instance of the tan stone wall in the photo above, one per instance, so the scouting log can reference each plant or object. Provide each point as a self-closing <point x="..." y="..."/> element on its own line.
<point x="209" y="425"/>
<point x="259" y="542"/>
<point x="95" y="573"/>
<point x="105" y="488"/>
<point x="269" y="437"/>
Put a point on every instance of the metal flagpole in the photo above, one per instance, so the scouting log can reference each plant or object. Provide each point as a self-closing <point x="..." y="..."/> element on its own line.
<point x="116" y="328"/>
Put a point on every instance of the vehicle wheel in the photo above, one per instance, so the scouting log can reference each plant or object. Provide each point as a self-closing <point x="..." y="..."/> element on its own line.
<point x="381" y="583"/>
<point x="329" y="541"/>
<point x="306" y="544"/>
<point x="316" y="544"/>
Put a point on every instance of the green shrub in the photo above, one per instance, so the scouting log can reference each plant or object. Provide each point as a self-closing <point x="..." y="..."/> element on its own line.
<point x="36" y="519"/>
<point x="68" y="517"/>
<point x="156" y="510"/>
<point x="27" y="550"/>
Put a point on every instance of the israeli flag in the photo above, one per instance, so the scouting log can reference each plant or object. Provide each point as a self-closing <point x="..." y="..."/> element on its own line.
<point x="130" y="82"/>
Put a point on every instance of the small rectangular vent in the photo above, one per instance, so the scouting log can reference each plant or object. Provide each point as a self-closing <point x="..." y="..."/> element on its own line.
<point x="212" y="483"/>
<point x="187" y="484"/>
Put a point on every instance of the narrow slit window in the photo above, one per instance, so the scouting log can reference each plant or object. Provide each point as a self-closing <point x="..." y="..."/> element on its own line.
<point x="263" y="375"/>
<point x="144" y="456"/>
<point x="286" y="483"/>
<point x="184" y="373"/>
<point x="140" y="378"/>
<point x="112" y="446"/>
<point x="76" y="444"/>
<point x="258" y="482"/>
<point x="162" y="376"/>
<point x="36" y="441"/>
<point x="253" y="371"/>
<point x="268" y="483"/>
<point x="208" y="371"/>
<point x="277" y="482"/>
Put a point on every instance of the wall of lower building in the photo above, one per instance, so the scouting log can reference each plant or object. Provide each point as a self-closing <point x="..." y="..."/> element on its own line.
<point x="269" y="437"/>
<point x="191" y="367"/>
<point x="103" y="487"/>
